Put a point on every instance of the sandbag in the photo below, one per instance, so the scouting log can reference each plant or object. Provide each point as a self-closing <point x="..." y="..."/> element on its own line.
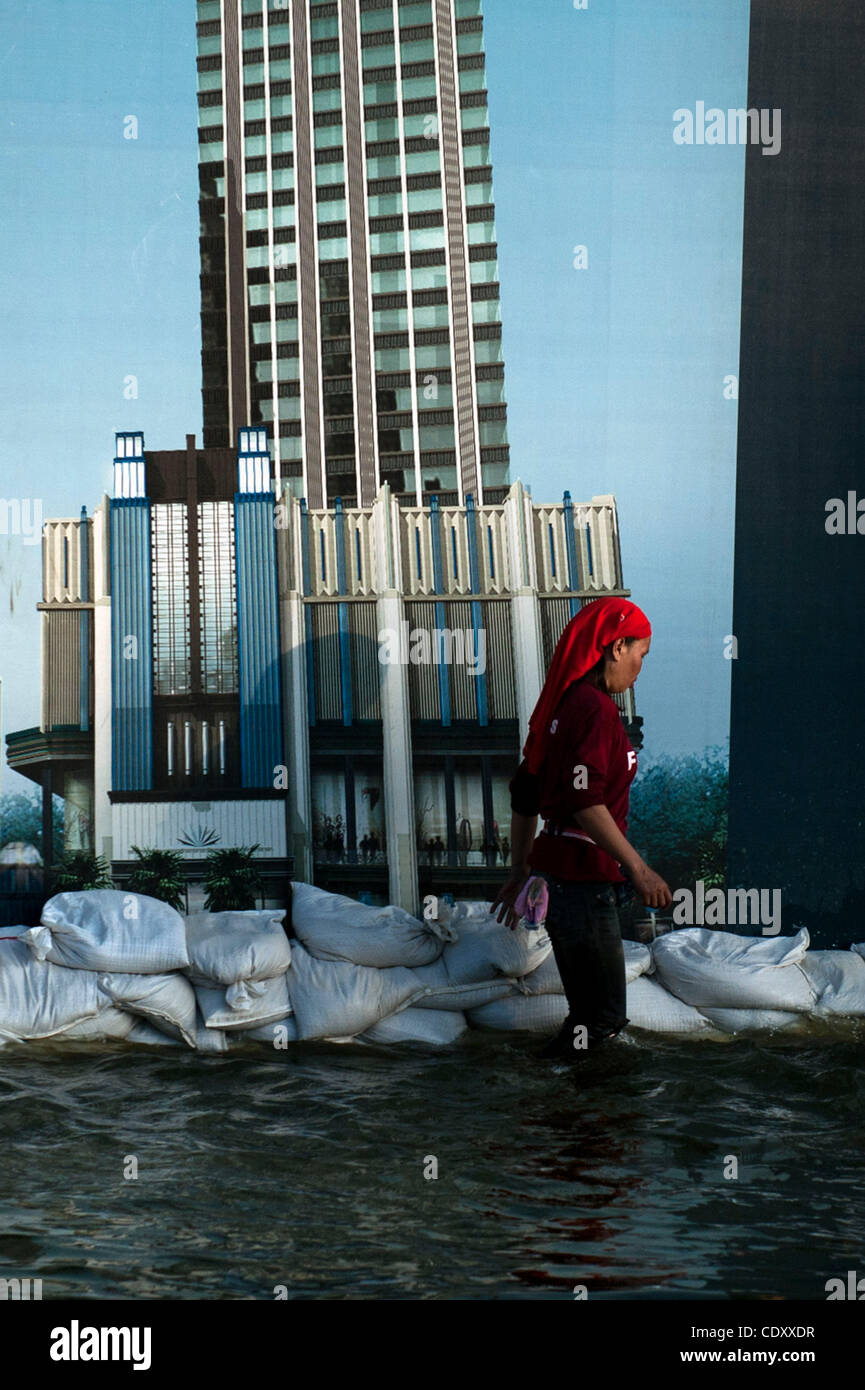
<point x="279" y="1035"/>
<point x="39" y="999"/>
<point x="230" y="948"/>
<point x="487" y="949"/>
<point x="752" y="1020"/>
<point x="718" y="970"/>
<point x="112" y="1022"/>
<point x="436" y="1028"/>
<point x="268" y="1004"/>
<point x="547" y="980"/>
<point x="651" y="1007"/>
<point x="537" y="1013"/>
<point x="838" y="981"/>
<point x="105" y="929"/>
<point x="166" y="1001"/>
<point x="332" y="927"/>
<point x="440" y="994"/>
<point x="335" y="999"/>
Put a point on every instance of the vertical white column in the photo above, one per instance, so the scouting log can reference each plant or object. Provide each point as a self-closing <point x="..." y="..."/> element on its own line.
<point x="399" y="808"/>
<point x="102" y="817"/>
<point x="525" y="606"/>
<point x="296" y="734"/>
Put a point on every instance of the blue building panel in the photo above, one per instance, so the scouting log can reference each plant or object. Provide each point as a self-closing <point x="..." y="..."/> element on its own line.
<point x="257" y="640"/>
<point x="131" y="646"/>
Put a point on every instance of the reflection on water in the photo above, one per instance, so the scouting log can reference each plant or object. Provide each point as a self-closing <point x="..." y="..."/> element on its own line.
<point x="306" y="1169"/>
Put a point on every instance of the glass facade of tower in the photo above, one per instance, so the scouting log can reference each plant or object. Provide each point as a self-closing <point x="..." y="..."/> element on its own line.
<point x="350" y="296"/>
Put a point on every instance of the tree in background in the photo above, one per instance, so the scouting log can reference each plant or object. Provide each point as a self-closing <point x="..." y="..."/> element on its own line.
<point x="80" y="871"/>
<point x="232" y="881"/>
<point x="159" y="874"/>
<point x="21" y="821"/>
<point x="678" y="818"/>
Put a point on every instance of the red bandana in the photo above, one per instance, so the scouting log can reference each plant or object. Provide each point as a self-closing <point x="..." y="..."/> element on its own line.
<point x="580" y="647"/>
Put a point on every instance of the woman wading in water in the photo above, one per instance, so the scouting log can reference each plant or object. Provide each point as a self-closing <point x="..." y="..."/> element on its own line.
<point x="577" y="770"/>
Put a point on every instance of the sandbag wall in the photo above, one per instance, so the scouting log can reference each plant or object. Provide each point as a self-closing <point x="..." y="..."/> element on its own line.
<point x="109" y="965"/>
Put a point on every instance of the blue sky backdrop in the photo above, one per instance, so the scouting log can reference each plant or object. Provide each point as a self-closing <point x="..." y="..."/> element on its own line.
<point x="615" y="373"/>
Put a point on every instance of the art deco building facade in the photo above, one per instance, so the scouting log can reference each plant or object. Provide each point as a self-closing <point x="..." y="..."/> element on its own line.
<point x="349" y="280"/>
<point x="347" y="687"/>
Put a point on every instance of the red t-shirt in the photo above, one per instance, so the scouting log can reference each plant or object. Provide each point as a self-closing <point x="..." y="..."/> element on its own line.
<point x="587" y="733"/>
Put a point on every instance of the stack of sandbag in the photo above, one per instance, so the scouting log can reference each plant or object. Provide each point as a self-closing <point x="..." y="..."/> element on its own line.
<point x="99" y="962"/>
<point x="238" y="963"/>
<point x="354" y="970"/>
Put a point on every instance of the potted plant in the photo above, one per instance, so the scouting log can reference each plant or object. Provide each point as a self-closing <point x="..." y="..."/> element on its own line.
<point x="232" y="881"/>
<point x="81" y="870"/>
<point x="159" y="874"/>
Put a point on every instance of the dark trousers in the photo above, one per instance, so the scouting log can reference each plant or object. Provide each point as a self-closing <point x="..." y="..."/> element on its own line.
<point x="583" y="925"/>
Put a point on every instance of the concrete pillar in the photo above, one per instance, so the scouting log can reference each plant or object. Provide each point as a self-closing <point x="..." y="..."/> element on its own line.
<point x="399" y="807"/>
<point x="528" y="644"/>
<point x="295" y="714"/>
<point x="102" y="827"/>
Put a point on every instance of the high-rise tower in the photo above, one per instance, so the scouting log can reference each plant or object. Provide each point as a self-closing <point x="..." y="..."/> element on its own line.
<point x="350" y="296"/>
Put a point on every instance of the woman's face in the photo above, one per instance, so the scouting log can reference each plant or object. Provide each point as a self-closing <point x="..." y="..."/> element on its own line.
<point x="624" y="664"/>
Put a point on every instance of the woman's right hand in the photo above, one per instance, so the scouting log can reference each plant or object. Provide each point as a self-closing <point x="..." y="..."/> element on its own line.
<point x="651" y="887"/>
<point x="507" y="896"/>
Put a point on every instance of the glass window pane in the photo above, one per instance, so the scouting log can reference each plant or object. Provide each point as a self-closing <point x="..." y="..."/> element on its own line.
<point x="386" y="243"/>
<point x="383" y="167"/>
<point x="325" y="63"/>
<point x="424" y="200"/>
<point x="474" y="118"/>
<point x="330" y="100"/>
<point x="170" y="586"/>
<point x="218" y="599"/>
<point x="383" y="56"/>
<point x="388" y="281"/>
<point x="429" y="277"/>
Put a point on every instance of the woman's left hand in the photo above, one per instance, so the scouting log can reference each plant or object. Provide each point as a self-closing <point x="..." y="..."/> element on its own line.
<point x="507" y="896"/>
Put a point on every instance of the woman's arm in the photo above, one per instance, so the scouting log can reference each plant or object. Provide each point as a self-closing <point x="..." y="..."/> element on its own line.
<point x="597" y="822"/>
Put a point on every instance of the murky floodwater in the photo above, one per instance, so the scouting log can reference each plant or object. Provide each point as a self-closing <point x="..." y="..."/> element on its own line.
<point x="306" y="1169"/>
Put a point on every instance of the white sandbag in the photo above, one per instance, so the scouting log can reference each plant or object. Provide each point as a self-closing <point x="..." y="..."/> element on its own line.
<point x="838" y="981"/>
<point x="269" y="1003"/>
<point x="436" y="1028"/>
<point x="166" y="1001"/>
<point x="39" y="999"/>
<point x="638" y="960"/>
<point x="105" y="929"/>
<point x="653" y="1008"/>
<point x="279" y="1035"/>
<point x="233" y="947"/>
<point x="547" y="980"/>
<point x="145" y="1034"/>
<point x="110" y="1023"/>
<point x="440" y="994"/>
<point x="537" y="1013"/>
<point x="206" y="1039"/>
<point x="332" y="927"/>
<point x="488" y="949"/>
<point x="752" y="1020"/>
<point x="720" y="970"/>
<point x="335" y="999"/>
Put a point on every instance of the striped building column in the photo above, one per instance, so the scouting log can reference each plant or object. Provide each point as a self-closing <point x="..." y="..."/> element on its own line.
<point x="307" y="262"/>
<point x="237" y="327"/>
<point x="366" y="460"/>
<point x="466" y="428"/>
